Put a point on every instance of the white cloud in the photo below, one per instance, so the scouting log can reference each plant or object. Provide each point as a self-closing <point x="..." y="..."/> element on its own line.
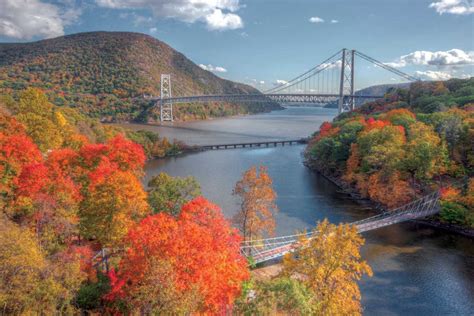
<point x="261" y="82"/>
<point x="335" y="64"/>
<point x="218" y="20"/>
<point x="434" y="75"/>
<point x="29" y="18"/>
<point x="216" y="14"/>
<point x="280" y="82"/>
<point x="153" y="30"/>
<point x="453" y="57"/>
<point x="316" y="19"/>
<point x="459" y="7"/>
<point x="334" y="21"/>
<point x="212" y="68"/>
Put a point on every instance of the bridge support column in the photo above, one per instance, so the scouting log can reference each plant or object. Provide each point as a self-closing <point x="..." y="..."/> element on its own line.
<point x="166" y="107"/>
<point x="346" y="88"/>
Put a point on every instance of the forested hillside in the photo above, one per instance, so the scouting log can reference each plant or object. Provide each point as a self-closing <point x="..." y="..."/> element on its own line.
<point x="409" y="143"/>
<point x="106" y="74"/>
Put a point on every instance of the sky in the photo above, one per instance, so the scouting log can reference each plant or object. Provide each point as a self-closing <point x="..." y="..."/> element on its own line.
<point x="262" y="42"/>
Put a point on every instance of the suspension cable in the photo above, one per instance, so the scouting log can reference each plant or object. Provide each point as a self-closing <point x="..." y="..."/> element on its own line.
<point x="302" y="75"/>
<point x="387" y="67"/>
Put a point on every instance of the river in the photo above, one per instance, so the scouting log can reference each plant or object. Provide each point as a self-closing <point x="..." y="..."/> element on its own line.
<point x="417" y="270"/>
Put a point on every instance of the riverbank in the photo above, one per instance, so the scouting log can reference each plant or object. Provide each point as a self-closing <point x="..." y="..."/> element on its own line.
<point x="354" y="195"/>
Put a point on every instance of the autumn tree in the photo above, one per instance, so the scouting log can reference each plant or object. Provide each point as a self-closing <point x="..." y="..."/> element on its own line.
<point x="329" y="265"/>
<point x="30" y="282"/>
<point x="390" y="189"/>
<point x="43" y="123"/>
<point x="16" y="151"/>
<point x="21" y="264"/>
<point x="191" y="263"/>
<point x="168" y="194"/>
<point x="48" y="203"/>
<point x="380" y="146"/>
<point x="281" y="295"/>
<point x="257" y="208"/>
<point x="113" y="201"/>
<point x="426" y="154"/>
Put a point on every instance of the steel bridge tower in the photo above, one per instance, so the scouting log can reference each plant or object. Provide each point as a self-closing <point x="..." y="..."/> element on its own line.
<point x="166" y="108"/>
<point x="346" y="88"/>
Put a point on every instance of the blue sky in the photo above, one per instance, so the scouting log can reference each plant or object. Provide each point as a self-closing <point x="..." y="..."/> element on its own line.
<point x="262" y="41"/>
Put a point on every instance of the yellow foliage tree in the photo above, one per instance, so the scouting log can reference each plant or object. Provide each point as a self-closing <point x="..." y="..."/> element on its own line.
<point x="256" y="215"/>
<point x="21" y="263"/>
<point x="330" y="265"/>
<point x="112" y="204"/>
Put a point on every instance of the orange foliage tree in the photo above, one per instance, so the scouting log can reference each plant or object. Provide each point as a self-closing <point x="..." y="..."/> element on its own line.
<point x="256" y="215"/>
<point x="180" y="265"/>
<point x="390" y="190"/>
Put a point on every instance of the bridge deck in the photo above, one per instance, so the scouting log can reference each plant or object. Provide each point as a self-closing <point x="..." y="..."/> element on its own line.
<point x="280" y="97"/>
<point x="267" y="249"/>
<point x="273" y="143"/>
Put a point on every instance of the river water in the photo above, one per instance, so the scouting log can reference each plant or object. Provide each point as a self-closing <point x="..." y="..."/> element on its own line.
<point x="417" y="270"/>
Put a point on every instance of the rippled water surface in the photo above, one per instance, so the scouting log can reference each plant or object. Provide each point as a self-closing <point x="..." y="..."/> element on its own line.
<point x="417" y="270"/>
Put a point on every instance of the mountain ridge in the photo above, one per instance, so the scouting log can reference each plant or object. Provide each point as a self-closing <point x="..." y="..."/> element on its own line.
<point x="100" y="72"/>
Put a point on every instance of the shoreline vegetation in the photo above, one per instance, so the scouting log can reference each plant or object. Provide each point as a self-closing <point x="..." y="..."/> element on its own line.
<point x="391" y="151"/>
<point x="432" y="222"/>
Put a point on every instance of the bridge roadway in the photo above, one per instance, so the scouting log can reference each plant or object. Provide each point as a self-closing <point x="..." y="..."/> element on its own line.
<point x="282" y="98"/>
<point x="271" y="248"/>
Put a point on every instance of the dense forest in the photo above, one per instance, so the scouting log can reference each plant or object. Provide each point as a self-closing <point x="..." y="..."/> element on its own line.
<point x="79" y="233"/>
<point x="107" y="74"/>
<point x="409" y="143"/>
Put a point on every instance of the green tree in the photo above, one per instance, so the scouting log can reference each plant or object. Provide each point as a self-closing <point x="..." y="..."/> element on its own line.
<point x="168" y="194"/>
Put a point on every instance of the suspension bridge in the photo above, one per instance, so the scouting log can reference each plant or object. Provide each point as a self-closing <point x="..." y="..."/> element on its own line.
<point x="263" y="250"/>
<point x="330" y="81"/>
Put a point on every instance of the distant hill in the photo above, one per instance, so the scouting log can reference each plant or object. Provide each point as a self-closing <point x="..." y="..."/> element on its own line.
<point x="380" y="89"/>
<point x="103" y="73"/>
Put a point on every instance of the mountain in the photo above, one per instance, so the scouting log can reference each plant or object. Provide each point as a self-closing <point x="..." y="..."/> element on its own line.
<point x="377" y="90"/>
<point x="105" y="75"/>
<point x="381" y="89"/>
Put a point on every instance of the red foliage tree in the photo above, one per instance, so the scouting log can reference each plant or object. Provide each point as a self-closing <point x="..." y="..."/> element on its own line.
<point x="200" y="249"/>
<point x="375" y="124"/>
<point x="128" y="155"/>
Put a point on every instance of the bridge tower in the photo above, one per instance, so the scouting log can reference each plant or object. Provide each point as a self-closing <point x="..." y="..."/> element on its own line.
<point x="166" y="107"/>
<point x="346" y="89"/>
